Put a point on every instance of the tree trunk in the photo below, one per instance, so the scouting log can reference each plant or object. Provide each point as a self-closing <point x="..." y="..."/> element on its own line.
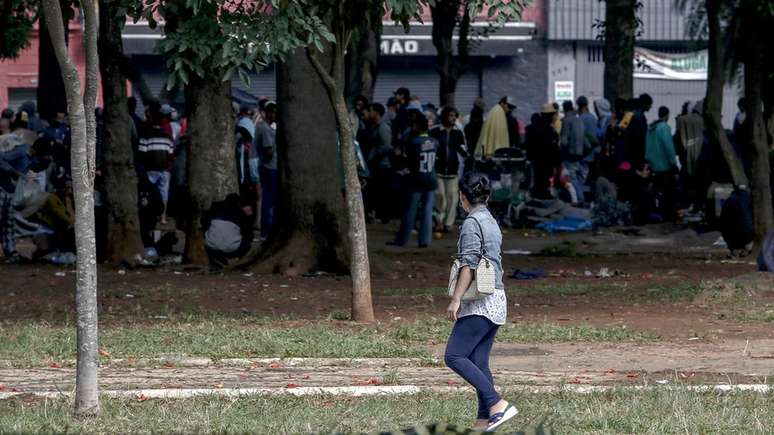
<point x="82" y="156"/>
<point x="124" y="242"/>
<point x="211" y="163"/>
<point x="310" y="204"/>
<point x="362" y="305"/>
<point x="620" y="32"/>
<point x="713" y="102"/>
<point x="362" y="66"/>
<point x="444" y="15"/>
<point x="51" y="96"/>
<point x="753" y="86"/>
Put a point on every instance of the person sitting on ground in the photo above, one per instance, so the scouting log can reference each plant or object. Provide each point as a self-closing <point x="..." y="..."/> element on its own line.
<point x="227" y="231"/>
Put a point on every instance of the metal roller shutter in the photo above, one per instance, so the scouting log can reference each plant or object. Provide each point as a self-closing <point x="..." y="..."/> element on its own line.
<point x="420" y="77"/>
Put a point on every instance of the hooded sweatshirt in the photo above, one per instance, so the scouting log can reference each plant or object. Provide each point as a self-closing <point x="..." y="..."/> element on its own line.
<point x="602" y="107"/>
<point x="659" y="149"/>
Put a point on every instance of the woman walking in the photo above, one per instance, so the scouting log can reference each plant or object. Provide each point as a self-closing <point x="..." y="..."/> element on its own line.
<point x="477" y="321"/>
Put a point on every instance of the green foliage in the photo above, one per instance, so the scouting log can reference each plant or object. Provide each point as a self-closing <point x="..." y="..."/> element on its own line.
<point x="16" y="20"/>
<point x="226" y="38"/>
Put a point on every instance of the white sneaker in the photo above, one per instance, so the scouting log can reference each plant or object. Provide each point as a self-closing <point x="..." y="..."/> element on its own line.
<point x="500" y="418"/>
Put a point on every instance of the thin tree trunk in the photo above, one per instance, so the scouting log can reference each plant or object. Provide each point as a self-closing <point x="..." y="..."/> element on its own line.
<point x="211" y="163"/>
<point x="124" y="241"/>
<point x="713" y="102"/>
<point x="761" y="170"/>
<point x="362" y="305"/>
<point x="620" y="33"/>
<point x="51" y="97"/>
<point x="82" y="156"/>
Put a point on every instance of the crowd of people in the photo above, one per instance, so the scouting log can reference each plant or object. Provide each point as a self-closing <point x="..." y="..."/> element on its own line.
<point x="410" y="155"/>
<point x="586" y="155"/>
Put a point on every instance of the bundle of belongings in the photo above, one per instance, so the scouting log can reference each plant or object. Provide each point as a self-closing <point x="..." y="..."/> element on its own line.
<point x="554" y="215"/>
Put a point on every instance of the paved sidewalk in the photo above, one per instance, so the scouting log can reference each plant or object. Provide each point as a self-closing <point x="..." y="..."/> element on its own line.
<point x="585" y="364"/>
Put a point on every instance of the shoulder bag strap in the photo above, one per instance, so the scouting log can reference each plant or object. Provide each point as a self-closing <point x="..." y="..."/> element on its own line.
<point x="481" y="230"/>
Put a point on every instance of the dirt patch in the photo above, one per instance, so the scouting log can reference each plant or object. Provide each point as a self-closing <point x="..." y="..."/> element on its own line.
<point x="571" y="294"/>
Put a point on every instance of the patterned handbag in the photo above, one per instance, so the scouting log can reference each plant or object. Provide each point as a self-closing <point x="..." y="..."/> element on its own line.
<point x="483" y="283"/>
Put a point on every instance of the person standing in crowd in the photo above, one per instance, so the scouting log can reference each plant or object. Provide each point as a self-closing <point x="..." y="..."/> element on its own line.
<point x="557" y="122"/>
<point x="638" y="129"/>
<point x="401" y="122"/>
<point x="378" y="161"/>
<point x="266" y="146"/>
<point x="156" y="150"/>
<point x="421" y="185"/>
<point x="5" y="126"/>
<point x="589" y="123"/>
<point x="246" y="158"/>
<point x="474" y="125"/>
<point x="494" y="133"/>
<point x="689" y="145"/>
<point x="542" y="145"/>
<point x="448" y="165"/>
<point x="476" y="322"/>
<point x="514" y="129"/>
<point x="573" y="148"/>
<point x="604" y="117"/>
<point x="357" y="116"/>
<point x="660" y="154"/>
<point x="34" y="122"/>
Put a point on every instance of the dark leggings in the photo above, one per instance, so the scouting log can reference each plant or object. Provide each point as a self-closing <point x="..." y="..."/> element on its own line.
<point x="467" y="353"/>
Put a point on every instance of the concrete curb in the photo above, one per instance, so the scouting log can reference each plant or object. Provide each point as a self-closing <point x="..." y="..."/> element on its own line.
<point x="142" y="395"/>
<point x="179" y="361"/>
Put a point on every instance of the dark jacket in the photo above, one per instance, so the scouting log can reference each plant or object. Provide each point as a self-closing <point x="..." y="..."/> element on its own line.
<point x="451" y="145"/>
<point x="542" y="144"/>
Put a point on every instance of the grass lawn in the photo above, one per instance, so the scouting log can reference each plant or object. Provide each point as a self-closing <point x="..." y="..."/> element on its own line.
<point x="661" y="411"/>
<point x="33" y="343"/>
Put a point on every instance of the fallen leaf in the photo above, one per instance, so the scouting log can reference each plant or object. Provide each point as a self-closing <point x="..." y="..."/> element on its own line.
<point x="292" y="385"/>
<point x="452" y="383"/>
<point x="254" y="365"/>
<point x="218" y="385"/>
<point x="243" y="376"/>
<point x="275" y="365"/>
<point x="632" y="375"/>
<point x="2" y="387"/>
<point x="611" y="371"/>
<point x="167" y="339"/>
<point x="328" y="404"/>
<point x="169" y="365"/>
<point x="142" y="397"/>
<point x="575" y="381"/>
<point x="55" y="366"/>
<point x="305" y="377"/>
<point x="369" y="381"/>
<point x="14" y="390"/>
<point x="104" y="352"/>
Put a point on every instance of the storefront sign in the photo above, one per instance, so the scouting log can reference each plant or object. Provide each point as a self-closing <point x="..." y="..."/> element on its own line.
<point x="396" y="47"/>
<point x="650" y="64"/>
<point x="564" y="91"/>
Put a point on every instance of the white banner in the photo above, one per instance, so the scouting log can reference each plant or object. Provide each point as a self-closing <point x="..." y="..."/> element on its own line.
<point x="650" y="64"/>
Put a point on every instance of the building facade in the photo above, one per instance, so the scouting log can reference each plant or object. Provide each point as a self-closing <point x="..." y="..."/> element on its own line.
<point x="552" y="54"/>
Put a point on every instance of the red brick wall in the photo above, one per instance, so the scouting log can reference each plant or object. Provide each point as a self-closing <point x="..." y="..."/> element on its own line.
<point x="22" y="72"/>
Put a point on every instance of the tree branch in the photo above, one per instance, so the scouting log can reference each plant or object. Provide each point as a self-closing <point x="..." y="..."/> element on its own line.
<point x="91" y="86"/>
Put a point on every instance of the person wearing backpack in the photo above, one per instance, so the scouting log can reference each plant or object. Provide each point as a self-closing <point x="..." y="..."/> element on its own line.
<point x="478" y="312"/>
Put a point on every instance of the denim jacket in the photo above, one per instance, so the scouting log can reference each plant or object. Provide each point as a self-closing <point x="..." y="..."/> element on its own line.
<point x="493" y="307"/>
